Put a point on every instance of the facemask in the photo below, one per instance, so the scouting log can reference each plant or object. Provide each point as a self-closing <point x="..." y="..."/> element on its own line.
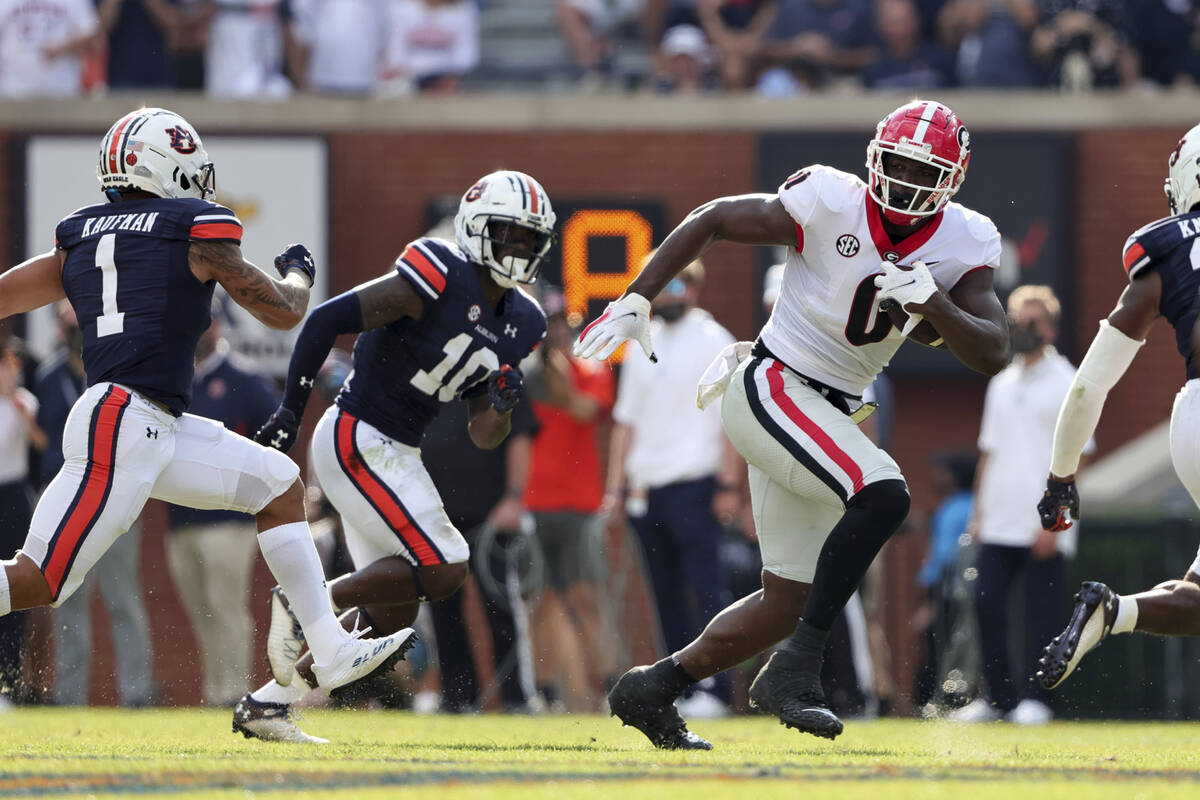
<point x="1025" y="339"/>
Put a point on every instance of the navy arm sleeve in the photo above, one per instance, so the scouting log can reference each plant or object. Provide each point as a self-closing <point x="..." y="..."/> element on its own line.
<point x="342" y="314"/>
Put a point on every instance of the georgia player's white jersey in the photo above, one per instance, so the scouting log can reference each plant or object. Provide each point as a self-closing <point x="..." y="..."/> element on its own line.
<point x="826" y="324"/>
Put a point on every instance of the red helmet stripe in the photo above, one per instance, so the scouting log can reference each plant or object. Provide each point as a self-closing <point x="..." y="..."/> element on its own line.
<point x="112" y="145"/>
<point x="533" y="198"/>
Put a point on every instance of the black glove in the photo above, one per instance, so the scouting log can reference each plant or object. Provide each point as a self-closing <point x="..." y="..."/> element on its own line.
<point x="279" y="431"/>
<point x="505" y="387"/>
<point x="296" y="256"/>
<point x="1059" y="506"/>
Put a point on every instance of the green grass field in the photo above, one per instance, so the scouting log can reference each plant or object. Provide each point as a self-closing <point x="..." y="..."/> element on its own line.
<point x="188" y="753"/>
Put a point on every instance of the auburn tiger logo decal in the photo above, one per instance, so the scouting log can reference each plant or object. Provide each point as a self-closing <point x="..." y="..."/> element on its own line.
<point x="182" y="140"/>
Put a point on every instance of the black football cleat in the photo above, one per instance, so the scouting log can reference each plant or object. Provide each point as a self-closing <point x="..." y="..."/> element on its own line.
<point x="639" y="701"/>
<point x="786" y="690"/>
<point x="1091" y="621"/>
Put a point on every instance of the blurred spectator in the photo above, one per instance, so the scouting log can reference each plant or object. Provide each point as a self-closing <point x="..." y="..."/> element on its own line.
<point x="41" y="44"/>
<point x="906" y="61"/>
<point x="117" y="574"/>
<point x="684" y="59"/>
<point x="138" y="30"/>
<point x="341" y="45"/>
<point x="188" y="41"/>
<point x="589" y="27"/>
<point x="574" y="632"/>
<point x="245" y="53"/>
<point x="19" y="431"/>
<point x="430" y="45"/>
<point x="1164" y="33"/>
<point x="482" y="492"/>
<point x="1083" y="44"/>
<point x="990" y="40"/>
<point x="1015" y="437"/>
<point x="811" y="42"/>
<point x="211" y="553"/>
<point x="680" y="474"/>
<point x="950" y="666"/>
<point x="736" y="29"/>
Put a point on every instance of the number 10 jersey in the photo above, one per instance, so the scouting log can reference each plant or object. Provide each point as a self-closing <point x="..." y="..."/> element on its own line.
<point x="404" y="371"/>
<point x="826" y="324"/>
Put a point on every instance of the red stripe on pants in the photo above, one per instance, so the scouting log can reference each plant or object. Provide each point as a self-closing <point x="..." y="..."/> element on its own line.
<point x="91" y="502"/>
<point x="810" y="428"/>
<point x="378" y="494"/>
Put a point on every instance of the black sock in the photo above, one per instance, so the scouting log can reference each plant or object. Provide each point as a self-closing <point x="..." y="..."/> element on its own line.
<point x="806" y="647"/>
<point x="673" y="678"/>
<point x="871" y="517"/>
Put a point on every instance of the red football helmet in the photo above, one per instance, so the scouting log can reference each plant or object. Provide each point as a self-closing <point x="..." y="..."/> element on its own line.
<point x="924" y="131"/>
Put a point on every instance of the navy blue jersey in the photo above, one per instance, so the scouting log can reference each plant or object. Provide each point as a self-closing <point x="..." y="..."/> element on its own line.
<point x="404" y="371"/>
<point x="1171" y="248"/>
<point x="140" y="308"/>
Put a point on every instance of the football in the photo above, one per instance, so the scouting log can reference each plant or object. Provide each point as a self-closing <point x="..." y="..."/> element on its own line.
<point x="924" y="333"/>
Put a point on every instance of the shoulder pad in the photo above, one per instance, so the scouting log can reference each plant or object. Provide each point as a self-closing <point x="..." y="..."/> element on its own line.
<point x="212" y="221"/>
<point x="426" y="265"/>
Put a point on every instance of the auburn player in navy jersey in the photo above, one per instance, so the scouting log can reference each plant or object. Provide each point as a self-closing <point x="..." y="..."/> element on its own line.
<point x="449" y="320"/>
<point x="1163" y="263"/>
<point x="139" y="271"/>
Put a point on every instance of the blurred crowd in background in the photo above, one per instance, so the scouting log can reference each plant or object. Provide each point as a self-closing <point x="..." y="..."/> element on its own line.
<point x="776" y="48"/>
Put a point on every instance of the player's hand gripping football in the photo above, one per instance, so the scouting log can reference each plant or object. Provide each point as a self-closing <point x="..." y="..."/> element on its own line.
<point x="1059" y="506"/>
<point x="904" y="285"/>
<point x="279" y="431"/>
<point x="625" y="318"/>
<point x="296" y="257"/>
<point x="505" y="387"/>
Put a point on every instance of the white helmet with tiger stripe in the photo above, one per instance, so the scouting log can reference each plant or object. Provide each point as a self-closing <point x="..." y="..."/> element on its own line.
<point x="1183" y="174"/>
<point x="156" y="151"/>
<point x="487" y="216"/>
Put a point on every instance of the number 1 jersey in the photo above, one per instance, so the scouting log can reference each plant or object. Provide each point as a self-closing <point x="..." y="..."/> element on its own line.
<point x="140" y="308"/>
<point x="404" y="371"/>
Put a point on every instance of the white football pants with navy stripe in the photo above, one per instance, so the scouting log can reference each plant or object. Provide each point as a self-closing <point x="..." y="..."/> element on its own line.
<point x="120" y="449"/>
<point x="806" y="460"/>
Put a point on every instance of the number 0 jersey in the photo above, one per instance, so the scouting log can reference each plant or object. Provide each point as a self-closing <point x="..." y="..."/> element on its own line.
<point x="1171" y="247"/>
<point x="140" y="308"/>
<point x="826" y="324"/>
<point x="404" y="371"/>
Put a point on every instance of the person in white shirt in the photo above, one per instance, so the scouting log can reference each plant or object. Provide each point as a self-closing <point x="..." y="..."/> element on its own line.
<point x="341" y="45"/>
<point x="681" y="475"/>
<point x="1015" y="437"/>
<point x="430" y="45"/>
<point x="867" y="266"/>
<point x="246" y="49"/>
<point x="41" y="43"/>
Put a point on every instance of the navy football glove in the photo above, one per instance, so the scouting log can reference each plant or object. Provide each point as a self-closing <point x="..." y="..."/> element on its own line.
<point x="505" y="387"/>
<point x="279" y="431"/>
<point x="296" y="256"/>
<point x="1059" y="506"/>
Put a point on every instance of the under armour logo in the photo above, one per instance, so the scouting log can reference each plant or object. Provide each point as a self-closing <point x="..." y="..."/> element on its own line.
<point x="306" y="383"/>
<point x="510" y="330"/>
<point x="151" y="433"/>
<point x="279" y="439"/>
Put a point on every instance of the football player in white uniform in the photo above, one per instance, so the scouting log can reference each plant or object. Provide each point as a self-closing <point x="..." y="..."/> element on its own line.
<point x="1161" y="260"/>
<point x="825" y="498"/>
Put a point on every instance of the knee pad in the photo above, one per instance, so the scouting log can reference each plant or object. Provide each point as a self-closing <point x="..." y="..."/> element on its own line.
<point x="888" y="498"/>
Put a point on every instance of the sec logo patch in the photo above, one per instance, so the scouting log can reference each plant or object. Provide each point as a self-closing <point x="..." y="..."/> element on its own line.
<point x="473" y="313"/>
<point x="847" y="245"/>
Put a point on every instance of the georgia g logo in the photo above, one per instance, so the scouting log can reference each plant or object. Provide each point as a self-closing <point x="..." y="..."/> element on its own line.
<point x="475" y="192"/>
<point x="181" y="140"/>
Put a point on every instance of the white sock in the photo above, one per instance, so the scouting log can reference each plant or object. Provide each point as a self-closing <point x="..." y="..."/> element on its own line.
<point x="272" y="692"/>
<point x="5" y="597"/>
<point x="292" y="557"/>
<point x="1127" y="614"/>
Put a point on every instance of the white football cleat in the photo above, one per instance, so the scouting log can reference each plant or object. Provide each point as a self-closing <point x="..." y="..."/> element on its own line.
<point x="271" y="722"/>
<point x="1091" y="621"/>
<point x="359" y="658"/>
<point x="285" y="639"/>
